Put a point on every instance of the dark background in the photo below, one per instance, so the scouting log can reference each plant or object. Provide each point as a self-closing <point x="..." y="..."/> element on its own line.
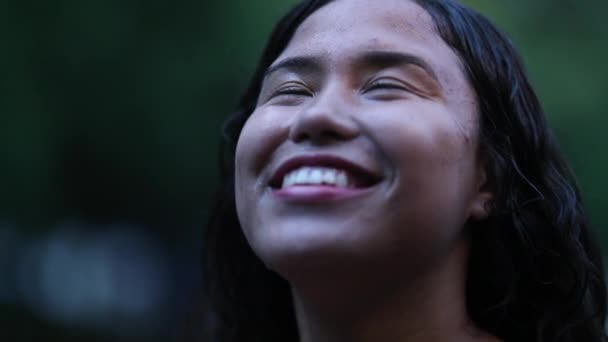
<point x="110" y="113"/>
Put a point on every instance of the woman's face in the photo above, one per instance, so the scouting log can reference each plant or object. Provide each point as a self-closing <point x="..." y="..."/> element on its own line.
<point x="362" y="150"/>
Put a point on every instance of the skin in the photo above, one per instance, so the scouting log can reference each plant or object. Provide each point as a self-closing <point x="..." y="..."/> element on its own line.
<point x="389" y="264"/>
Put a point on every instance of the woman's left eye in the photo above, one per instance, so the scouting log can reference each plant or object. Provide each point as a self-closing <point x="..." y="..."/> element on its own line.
<point x="386" y="84"/>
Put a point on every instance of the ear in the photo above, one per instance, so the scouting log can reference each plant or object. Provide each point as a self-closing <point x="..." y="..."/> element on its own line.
<point x="482" y="197"/>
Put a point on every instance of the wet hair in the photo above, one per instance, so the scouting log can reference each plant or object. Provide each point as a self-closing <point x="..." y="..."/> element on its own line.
<point x="535" y="271"/>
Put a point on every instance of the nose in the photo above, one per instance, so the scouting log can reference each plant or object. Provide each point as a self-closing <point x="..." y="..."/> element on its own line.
<point x="324" y="121"/>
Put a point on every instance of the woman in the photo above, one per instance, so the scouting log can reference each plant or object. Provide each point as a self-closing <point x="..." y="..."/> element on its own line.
<point x="390" y="176"/>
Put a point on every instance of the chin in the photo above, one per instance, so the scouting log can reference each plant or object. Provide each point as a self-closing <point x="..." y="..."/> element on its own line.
<point x="310" y="256"/>
<point x="297" y="250"/>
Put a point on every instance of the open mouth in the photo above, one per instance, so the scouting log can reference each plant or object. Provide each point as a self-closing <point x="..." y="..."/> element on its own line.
<point x="322" y="171"/>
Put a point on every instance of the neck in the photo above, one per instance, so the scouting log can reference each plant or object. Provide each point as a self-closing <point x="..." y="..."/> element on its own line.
<point x="429" y="306"/>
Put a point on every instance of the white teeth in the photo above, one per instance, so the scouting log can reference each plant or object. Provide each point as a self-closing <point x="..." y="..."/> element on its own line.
<point x="316" y="175"/>
<point x="329" y="177"/>
<point x="342" y="180"/>
<point x="301" y="175"/>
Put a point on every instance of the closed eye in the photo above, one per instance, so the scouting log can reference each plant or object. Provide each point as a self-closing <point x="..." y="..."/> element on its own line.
<point x="290" y="94"/>
<point x="386" y="84"/>
<point x="293" y="90"/>
<point x="386" y="89"/>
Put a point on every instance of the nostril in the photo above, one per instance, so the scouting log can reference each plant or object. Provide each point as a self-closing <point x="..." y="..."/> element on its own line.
<point x="321" y="137"/>
<point x="320" y="126"/>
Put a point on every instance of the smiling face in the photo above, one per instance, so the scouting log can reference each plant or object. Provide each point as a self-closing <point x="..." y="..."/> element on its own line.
<point x="362" y="149"/>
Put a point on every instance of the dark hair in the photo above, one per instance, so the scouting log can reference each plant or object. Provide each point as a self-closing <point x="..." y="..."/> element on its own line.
<point x="535" y="271"/>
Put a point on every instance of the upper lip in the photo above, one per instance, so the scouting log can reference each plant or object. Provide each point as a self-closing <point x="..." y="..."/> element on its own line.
<point x="325" y="160"/>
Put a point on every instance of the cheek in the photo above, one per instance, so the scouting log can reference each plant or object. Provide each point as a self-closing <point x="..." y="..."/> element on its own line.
<point x="423" y="139"/>
<point x="433" y="158"/>
<point x="245" y="148"/>
<point x="260" y="136"/>
<point x="258" y="139"/>
<point x="245" y="157"/>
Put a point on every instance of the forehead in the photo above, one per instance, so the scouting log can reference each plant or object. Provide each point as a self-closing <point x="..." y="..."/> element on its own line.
<point x="344" y="28"/>
<point x="343" y="16"/>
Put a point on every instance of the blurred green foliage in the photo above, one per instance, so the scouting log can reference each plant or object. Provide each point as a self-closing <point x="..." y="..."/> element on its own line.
<point x="111" y="110"/>
<point x="564" y="44"/>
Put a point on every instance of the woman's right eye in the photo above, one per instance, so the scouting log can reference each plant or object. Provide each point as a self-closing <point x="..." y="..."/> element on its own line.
<point x="290" y="95"/>
<point x="293" y="90"/>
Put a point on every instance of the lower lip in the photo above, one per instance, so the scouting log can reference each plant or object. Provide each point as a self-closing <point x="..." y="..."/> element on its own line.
<point x="317" y="193"/>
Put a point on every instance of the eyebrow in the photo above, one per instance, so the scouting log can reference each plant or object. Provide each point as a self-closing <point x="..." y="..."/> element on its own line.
<point x="301" y="64"/>
<point x="377" y="59"/>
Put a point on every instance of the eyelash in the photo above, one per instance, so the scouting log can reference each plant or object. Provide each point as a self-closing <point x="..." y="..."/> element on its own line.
<point x="293" y="91"/>
<point x="300" y="90"/>
<point x="385" y="84"/>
